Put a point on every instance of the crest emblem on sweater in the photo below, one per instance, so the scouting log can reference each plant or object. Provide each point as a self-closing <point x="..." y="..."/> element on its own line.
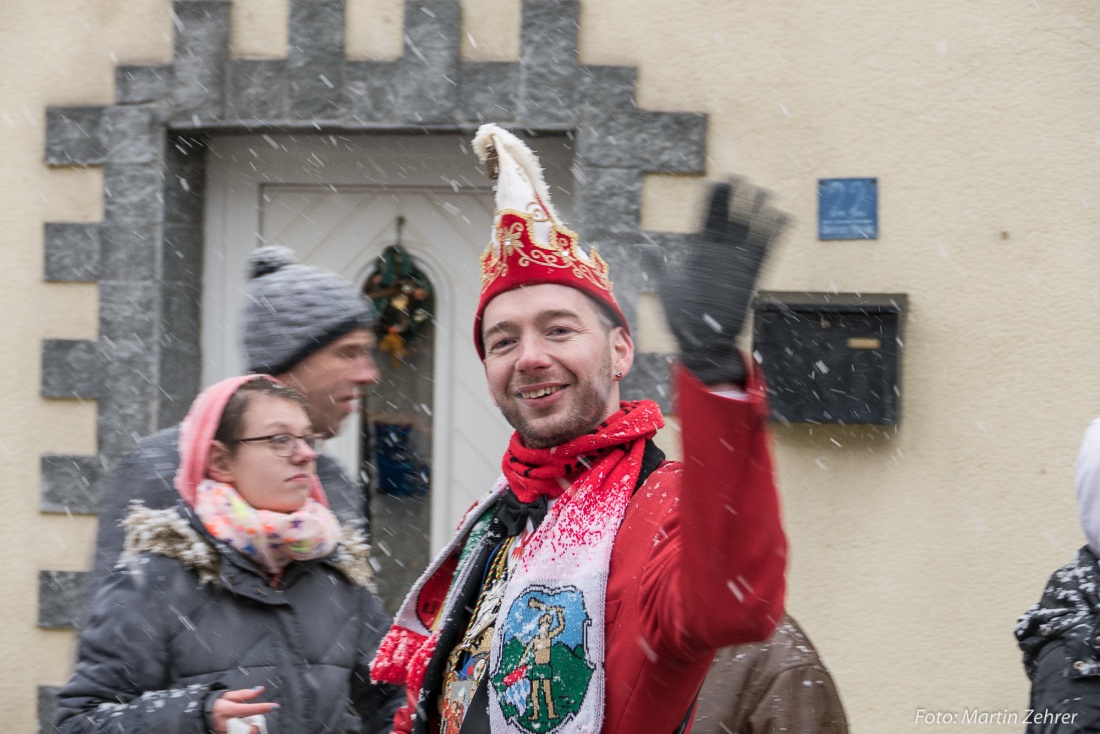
<point x="543" y="673"/>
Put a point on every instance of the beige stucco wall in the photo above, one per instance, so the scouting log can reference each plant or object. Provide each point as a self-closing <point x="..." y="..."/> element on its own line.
<point x="51" y="53"/>
<point x="913" y="550"/>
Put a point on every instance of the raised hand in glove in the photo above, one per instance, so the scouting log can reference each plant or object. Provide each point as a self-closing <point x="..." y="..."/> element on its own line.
<point x="707" y="299"/>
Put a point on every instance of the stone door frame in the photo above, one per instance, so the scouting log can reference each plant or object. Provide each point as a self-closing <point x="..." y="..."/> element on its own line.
<point x="146" y="253"/>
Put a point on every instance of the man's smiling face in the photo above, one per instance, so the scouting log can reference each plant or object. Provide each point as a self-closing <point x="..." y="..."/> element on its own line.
<point x="550" y="360"/>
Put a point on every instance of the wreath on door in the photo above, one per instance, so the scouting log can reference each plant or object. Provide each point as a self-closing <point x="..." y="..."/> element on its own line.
<point x="402" y="295"/>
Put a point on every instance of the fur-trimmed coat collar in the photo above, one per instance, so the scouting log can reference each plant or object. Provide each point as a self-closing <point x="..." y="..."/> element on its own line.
<point x="173" y="533"/>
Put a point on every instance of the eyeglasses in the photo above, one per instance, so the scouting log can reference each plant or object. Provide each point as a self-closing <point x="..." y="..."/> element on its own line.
<point x="283" y="444"/>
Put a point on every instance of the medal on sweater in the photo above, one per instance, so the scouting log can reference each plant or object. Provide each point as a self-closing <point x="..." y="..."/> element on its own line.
<point x="544" y="667"/>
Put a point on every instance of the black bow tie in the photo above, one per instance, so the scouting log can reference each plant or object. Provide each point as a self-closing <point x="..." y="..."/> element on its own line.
<point x="513" y="514"/>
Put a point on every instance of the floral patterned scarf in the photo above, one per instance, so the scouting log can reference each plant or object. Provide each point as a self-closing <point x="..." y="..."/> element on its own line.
<point x="271" y="539"/>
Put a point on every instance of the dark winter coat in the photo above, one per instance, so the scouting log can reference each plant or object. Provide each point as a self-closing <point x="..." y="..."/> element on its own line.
<point x="147" y="474"/>
<point x="183" y="617"/>
<point x="1060" y="638"/>
<point x="778" y="685"/>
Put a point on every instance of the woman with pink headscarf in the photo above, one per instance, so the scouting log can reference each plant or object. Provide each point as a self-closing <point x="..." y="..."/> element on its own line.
<point x="246" y="608"/>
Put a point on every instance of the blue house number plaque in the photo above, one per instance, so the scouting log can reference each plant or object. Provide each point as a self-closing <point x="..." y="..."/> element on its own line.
<point x="847" y="209"/>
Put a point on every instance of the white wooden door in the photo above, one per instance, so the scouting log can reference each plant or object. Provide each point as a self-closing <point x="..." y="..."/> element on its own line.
<point x="335" y="201"/>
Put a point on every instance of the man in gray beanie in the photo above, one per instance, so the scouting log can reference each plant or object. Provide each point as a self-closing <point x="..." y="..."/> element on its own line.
<point x="304" y="325"/>
<point x="312" y="330"/>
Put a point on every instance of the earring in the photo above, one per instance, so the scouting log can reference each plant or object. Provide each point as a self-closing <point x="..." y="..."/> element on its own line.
<point x="618" y="375"/>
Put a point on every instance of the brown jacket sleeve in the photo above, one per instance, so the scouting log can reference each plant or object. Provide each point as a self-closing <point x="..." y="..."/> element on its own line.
<point x="779" y="685"/>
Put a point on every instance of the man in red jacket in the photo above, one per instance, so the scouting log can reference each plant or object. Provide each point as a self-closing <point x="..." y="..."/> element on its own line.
<point x="589" y="590"/>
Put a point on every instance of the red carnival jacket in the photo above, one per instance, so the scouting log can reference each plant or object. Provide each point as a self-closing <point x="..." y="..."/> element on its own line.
<point x="698" y="563"/>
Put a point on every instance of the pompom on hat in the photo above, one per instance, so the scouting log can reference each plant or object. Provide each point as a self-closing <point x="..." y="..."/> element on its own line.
<point x="530" y="245"/>
<point x="292" y="310"/>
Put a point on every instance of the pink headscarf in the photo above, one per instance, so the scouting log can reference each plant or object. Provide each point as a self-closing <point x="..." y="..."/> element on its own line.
<point x="197" y="433"/>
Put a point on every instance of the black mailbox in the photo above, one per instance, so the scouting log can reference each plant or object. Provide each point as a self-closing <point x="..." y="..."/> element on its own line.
<point x="830" y="357"/>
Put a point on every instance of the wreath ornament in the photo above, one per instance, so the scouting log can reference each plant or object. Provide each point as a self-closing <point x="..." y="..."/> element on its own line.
<point x="402" y="295"/>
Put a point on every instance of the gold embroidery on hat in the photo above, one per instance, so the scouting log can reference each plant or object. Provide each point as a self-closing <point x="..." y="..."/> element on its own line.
<point x="518" y="245"/>
<point x="537" y="211"/>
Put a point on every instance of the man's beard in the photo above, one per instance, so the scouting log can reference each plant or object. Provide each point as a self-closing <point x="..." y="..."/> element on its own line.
<point x="587" y="410"/>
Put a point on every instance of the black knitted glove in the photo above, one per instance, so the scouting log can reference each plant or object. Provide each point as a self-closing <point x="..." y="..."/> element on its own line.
<point x="706" y="301"/>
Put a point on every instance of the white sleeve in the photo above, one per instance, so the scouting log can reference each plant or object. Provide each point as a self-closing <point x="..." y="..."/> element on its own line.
<point x="733" y="394"/>
<point x="1088" y="485"/>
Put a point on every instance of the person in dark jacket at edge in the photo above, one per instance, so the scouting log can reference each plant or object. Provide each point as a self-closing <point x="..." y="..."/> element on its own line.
<point x="778" y="685"/>
<point x="247" y="607"/>
<point x="589" y="589"/>
<point x="312" y="330"/>
<point x="1060" y="635"/>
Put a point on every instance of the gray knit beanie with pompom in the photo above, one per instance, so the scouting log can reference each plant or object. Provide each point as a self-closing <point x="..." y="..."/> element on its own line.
<point x="293" y="310"/>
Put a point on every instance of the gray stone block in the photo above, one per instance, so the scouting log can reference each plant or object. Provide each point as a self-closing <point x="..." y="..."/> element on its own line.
<point x="133" y="192"/>
<point x="627" y="274"/>
<point x="73" y="136"/>
<point x="128" y="310"/>
<point x="370" y="89"/>
<point x="72" y="484"/>
<point x="47" y="707"/>
<point x="257" y="90"/>
<point x="129" y="250"/>
<point x="639" y="279"/>
<point x="548" y="61"/>
<point x="141" y="84"/>
<point x="121" y="423"/>
<point x="315" y="59"/>
<point x="649" y="379"/>
<point x="72" y="369"/>
<point x="671" y="246"/>
<point x="181" y="380"/>
<point x="62" y="598"/>
<point x="181" y="315"/>
<point x="182" y="254"/>
<point x="72" y="251"/>
<point x="487" y="92"/>
<point x="132" y="134"/>
<point x="185" y="176"/>
<point x="427" y="91"/>
<point x="201" y="53"/>
<point x="672" y="142"/>
<point x="130" y="369"/>
<point x="609" y="203"/>
<point x="608" y="87"/>
<point x="180" y="367"/>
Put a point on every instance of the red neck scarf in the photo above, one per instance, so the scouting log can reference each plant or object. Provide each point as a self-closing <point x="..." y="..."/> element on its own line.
<point x="533" y="473"/>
